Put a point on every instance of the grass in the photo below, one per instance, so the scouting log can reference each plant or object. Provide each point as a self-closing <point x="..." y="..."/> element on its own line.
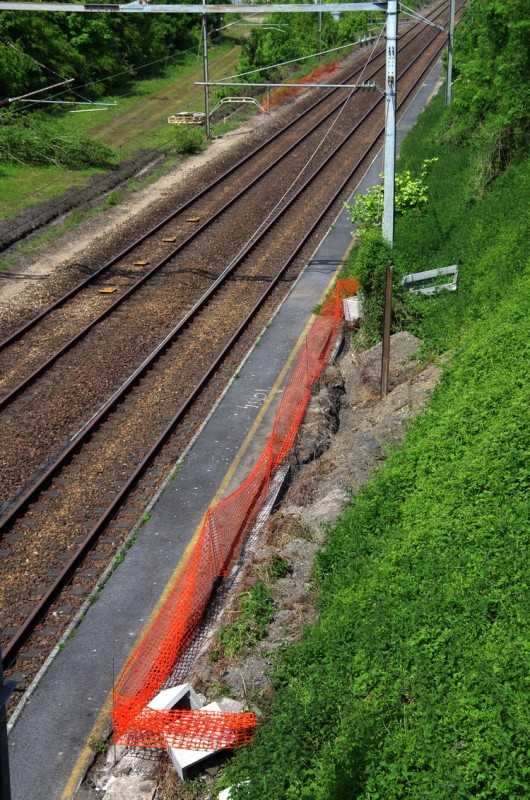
<point x="138" y="122"/>
<point x="414" y="682"/>
<point x="23" y="186"/>
<point x="256" y="608"/>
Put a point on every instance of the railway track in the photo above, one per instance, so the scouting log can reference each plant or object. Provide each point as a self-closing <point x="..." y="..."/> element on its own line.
<point x="71" y="511"/>
<point x="128" y="337"/>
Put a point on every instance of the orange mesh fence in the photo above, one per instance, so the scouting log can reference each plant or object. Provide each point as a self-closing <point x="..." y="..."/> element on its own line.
<point x="284" y="93"/>
<point x="223" y="533"/>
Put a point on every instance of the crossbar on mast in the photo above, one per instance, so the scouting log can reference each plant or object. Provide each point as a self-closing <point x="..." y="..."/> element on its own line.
<point x="294" y="85"/>
<point x="158" y="8"/>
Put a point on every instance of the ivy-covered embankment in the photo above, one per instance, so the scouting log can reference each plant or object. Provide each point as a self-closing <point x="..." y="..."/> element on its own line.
<point x="415" y="682"/>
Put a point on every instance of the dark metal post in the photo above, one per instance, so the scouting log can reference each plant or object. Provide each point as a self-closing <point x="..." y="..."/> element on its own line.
<point x="5" y="690"/>
<point x="450" y="39"/>
<point x="387" y="316"/>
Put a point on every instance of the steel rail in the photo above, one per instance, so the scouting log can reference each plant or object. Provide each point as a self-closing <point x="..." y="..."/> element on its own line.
<point x="17" y="334"/>
<point x="21" y="503"/>
<point x="70" y="344"/>
<point x="19" y="388"/>
<point x="40" y="610"/>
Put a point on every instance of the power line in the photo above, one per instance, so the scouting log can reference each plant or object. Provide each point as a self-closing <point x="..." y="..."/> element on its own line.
<point x="34" y="195"/>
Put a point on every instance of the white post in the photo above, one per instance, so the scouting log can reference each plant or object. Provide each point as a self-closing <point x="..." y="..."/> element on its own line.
<point x="390" y="119"/>
<point x="205" y="64"/>
<point x="320" y="35"/>
<point x="319" y="32"/>
<point x="450" y="52"/>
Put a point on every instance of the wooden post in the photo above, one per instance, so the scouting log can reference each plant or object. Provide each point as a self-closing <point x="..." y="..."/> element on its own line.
<point x="387" y="317"/>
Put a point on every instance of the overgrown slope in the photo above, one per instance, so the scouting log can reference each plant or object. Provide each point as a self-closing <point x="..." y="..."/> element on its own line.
<point x="415" y="681"/>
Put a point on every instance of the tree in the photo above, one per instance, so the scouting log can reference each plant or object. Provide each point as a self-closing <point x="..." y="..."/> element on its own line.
<point x="491" y="92"/>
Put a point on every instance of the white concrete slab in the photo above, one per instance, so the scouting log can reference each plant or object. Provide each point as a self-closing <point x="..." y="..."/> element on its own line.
<point x="183" y="759"/>
<point x="130" y="787"/>
<point x="183" y="696"/>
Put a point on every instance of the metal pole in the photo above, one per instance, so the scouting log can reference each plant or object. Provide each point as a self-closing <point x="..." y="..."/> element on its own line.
<point x="390" y="120"/>
<point x="450" y="37"/>
<point x="319" y="33"/>
<point x="387" y="317"/>
<point x="205" y="64"/>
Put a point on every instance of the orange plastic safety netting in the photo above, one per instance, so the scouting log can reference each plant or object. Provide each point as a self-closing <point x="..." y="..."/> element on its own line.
<point x="223" y="533"/>
<point x="284" y="93"/>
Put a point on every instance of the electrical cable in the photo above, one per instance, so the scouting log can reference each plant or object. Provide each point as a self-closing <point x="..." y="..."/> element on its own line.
<point x="295" y="60"/>
<point x="33" y="195"/>
<point x="10" y="44"/>
<point x="416" y="15"/>
<point x="318" y="147"/>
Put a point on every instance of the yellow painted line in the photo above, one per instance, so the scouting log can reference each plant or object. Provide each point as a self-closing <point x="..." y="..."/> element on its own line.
<point x="98" y="730"/>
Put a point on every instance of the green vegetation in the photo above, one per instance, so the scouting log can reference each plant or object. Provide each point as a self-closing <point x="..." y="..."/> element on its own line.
<point x="98" y="745"/>
<point x="295" y="36"/>
<point x="414" y="682"/>
<point x="36" y="140"/>
<point x="491" y="88"/>
<point x="114" y="134"/>
<point x="277" y="567"/>
<point x="256" y="611"/>
<point x="409" y="194"/>
<point x="487" y="238"/>
<point x="91" y="48"/>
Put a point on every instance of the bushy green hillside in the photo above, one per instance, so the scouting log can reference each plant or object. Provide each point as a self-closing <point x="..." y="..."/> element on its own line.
<point x="36" y="49"/>
<point x="483" y="229"/>
<point x="415" y="682"/>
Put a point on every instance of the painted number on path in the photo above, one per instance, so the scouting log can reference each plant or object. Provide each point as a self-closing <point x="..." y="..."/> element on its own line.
<point x="257" y="399"/>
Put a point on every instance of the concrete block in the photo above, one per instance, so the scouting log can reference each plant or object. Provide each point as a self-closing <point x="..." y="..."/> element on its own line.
<point x="353" y="308"/>
<point x="183" y="696"/>
<point x="182" y="759"/>
<point x="130" y="787"/>
<point x="230" y="706"/>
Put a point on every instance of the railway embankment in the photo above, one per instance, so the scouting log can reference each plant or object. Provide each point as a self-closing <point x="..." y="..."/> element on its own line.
<point x="412" y="680"/>
<point x="389" y="650"/>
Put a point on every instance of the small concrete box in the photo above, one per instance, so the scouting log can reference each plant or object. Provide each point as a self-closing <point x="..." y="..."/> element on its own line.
<point x="353" y="309"/>
<point x="182" y="760"/>
<point x="182" y="696"/>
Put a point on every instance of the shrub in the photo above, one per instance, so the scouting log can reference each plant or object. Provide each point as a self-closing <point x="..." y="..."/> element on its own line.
<point x="33" y="140"/>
